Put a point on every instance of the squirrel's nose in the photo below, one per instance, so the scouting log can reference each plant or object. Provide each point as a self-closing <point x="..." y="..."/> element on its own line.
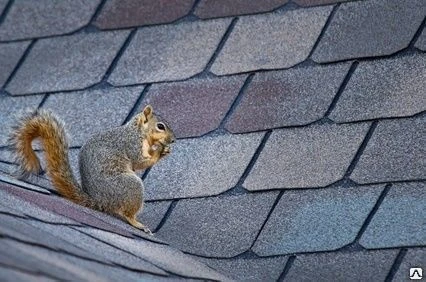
<point x="173" y="140"/>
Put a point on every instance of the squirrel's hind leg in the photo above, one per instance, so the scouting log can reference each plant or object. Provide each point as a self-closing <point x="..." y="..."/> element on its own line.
<point x="131" y="219"/>
<point x="129" y="214"/>
<point x="135" y="223"/>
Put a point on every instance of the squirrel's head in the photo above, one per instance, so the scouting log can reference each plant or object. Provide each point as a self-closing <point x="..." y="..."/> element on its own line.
<point x="155" y="128"/>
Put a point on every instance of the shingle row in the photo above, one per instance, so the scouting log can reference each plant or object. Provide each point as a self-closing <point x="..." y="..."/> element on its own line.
<point x="302" y="221"/>
<point x="274" y="40"/>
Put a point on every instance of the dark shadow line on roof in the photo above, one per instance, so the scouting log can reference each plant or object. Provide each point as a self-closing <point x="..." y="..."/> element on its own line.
<point x="347" y="249"/>
<point x="407" y="51"/>
<point x="124" y="251"/>
<point x="31" y="218"/>
<point x="221" y="44"/>
<point x="277" y="200"/>
<point x="361" y="149"/>
<point x="288" y="6"/>
<point x="344" y="182"/>
<point x="254" y="158"/>
<point x="324" y="29"/>
<point x="372" y="212"/>
<point x="418" y="33"/>
<point x="37" y="273"/>
<point x="20" y="62"/>
<point x="341" y="89"/>
<point x="145" y="173"/>
<point x="194" y="6"/>
<point x="43" y="101"/>
<point x="236" y="101"/>
<point x="166" y="215"/>
<point x="286" y="268"/>
<point x="96" y="86"/>
<point x="137" y="104"/>
<point x="97" y="11"/>
<point x="7" y="162"/>
<point x="119" y="54"/>
<point x="396" y="264"/>
<point x="5" y="11"/>
<point x="60" y="251"/>
<point x="416" y="115"/>
<point x="13" y="215"/>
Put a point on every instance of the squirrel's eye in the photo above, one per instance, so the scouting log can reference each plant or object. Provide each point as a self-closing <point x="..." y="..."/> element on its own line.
<point x="161" y="126"/>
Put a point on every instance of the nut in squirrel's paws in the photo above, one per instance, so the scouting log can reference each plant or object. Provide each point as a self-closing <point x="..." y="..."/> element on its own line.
<point x="166" y="150"/>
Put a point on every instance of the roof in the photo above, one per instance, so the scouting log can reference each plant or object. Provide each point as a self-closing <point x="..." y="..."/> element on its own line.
<point x="300" y="125"/>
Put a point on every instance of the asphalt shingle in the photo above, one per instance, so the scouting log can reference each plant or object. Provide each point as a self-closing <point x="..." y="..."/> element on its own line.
<point x="296" y="139"/>
<point x="103" y="109"/>
<point x="40" y="181"/>
<point x="70" y="268"/>
<point x="6" y="155"/>
<point x="153" y="213"/>
<point x="287" y="98"/>
<point x="348" y="267"/>
<point x="67" y="62"/>
<point x="370" y="28"/>
<point x="7" y="210"/>
<point x="29" y="209"/>
<point x="102" y="251"/>
<point x="275" y="40"/>
<point x="10" y="53"/>
<point x="224" y="8"/>
<point x="421" y="41"/>
<point x="68" y="209"/>
<point x="7" y="178"/>
<point x="316" y="220"/>
<point x="384" y="88"/>
<point x="314" y="156"/>
<point x="7" y="169"/>
<point x="194" y="107"/>
<point x="201" y="167"/>
<point x="30" y="19"/>
<point x="18" y="228"/>
<point x="165" y="257"/>
<point x="169" y="52"/>
<point x="249" y="269"/>
<point x="219" y="226"/>
<point x="398" y="221"/>
<point x="127" y="13"/>
<point x="10" y="107"/>
<point x="414" y="258"/>
<point x="10" y="274"/>
<point x="11" y="254"/>
<point x="396" y="151"/>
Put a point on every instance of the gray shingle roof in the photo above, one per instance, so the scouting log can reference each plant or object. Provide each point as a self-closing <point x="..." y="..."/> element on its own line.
<point x="290" y="164"/>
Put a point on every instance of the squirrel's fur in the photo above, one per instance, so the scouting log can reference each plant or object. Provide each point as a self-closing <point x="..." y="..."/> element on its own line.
<point x="107" y="161"/>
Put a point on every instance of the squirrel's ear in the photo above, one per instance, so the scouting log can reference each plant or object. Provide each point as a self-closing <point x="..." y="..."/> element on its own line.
<point x="148" y="112"/>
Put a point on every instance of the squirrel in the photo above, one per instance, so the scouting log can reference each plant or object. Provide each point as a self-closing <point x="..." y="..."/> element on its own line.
<point x="107" y="161"/>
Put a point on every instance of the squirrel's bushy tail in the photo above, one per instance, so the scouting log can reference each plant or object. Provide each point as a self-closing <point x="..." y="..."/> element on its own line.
<point x="46" y="126"/>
